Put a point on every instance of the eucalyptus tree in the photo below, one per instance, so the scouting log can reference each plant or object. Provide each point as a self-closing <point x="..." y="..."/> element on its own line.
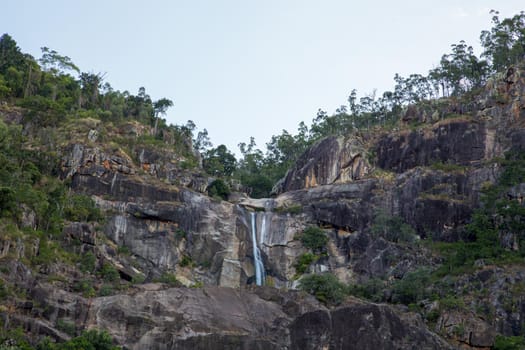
<point x="90" y="84"/>
<point x="504" y="43"/>
<point x="160" y="107"/>
<point x="219" y="161"/>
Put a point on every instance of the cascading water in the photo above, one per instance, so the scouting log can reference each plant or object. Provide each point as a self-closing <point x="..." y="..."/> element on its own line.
<point x="262" y="235"/>
<point x="257" y="260"/>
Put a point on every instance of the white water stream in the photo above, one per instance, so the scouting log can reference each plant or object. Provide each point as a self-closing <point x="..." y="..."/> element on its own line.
<point x="260" y="274"/>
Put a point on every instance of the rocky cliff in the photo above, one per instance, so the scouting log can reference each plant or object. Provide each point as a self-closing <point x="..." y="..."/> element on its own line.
<point x="183" y="262"/>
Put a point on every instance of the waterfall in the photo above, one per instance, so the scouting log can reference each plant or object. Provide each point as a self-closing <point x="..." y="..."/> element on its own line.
<point x="257" y="260"/>
<point x="121" y="225"/>
<point x="113" y="182"/>
<point x="262" y="235"/>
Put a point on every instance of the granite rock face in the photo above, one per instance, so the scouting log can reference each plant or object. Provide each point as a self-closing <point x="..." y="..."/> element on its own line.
<point x="331" y="160"/>
<point x="460" y="142"/>
<point x="159" y="222"/>
<point x="153" y="317"/>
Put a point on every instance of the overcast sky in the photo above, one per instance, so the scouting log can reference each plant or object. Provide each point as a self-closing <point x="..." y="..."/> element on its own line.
<point x="242" y="68"/>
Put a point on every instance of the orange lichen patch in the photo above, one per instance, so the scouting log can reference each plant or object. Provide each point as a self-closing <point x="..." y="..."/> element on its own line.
<point x="343" y="233"/>
<point x="106" y="164"/>
<point x="516" y="110"/>
<point x="146" y="167"/>
<point x="310" y="181"/>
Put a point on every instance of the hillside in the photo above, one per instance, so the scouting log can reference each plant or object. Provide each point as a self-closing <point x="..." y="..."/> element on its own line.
<point x="408" y="233"/>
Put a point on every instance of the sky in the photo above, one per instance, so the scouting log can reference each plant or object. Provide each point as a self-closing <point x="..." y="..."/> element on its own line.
<point x="242" y="68"/>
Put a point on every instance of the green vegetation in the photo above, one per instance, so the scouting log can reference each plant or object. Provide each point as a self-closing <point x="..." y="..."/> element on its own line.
<point x="509" y="343"/>
<point x="186" y="260"/>
<point x="89" y="340"/>
<point x="169" y="279"/>
<point x="56" y="99"/>
<point x="85" y="286"/>
<point x="66" y="326"/>
<point x="14" y="339"/>
<point x="412" y="287"/>
<point x="60" y="105"/>
<point x="219" y="189"/>
<point x="373" y="290"/>
<point x="219" y="162"/>
<point x="292" y="209"/>
<point x="106" y="290"/>
<point x="80" y="207"/>
<point x="108" y="273"/>
<point x="498" y="215"/>
<point x="392" y="228"/>
<point x="448" y="167"/>
<point x="314" y="238"/>
<point x="304" y="261"/>
<point x="180" y="234"/>
<point x="87" y="262"/>
<point x="325" y="287"/>
<point x="459" y="74"/>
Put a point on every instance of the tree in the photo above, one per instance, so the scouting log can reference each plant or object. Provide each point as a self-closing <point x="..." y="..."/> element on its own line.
<point x="504" y="43"/>
<point x="202" y="142"/>
<point x="10" y="54"/>
<point x="160" y="107"/>
<point x="326" y="288"/>
<point x="58" y="64"/>
<point x="218" y="188"/>
<point x="252" y="170"/>
<point x="56" y="76"/>
<point x="139" y="107"/>
<point x="219" y="161"/>
<point x="314" y="238"/>
<point x="90" y="84"/>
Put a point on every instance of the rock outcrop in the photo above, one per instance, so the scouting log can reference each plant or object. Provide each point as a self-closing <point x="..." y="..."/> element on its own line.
<point x="330" y="161"/>
<point x="153" y="317"/>
<point x="161" y="226"/>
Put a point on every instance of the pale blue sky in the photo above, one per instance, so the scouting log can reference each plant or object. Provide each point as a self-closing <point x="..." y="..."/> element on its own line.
<point x="244" y="68"/>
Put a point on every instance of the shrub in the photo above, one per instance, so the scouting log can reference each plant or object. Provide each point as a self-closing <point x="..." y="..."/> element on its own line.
<point x="123" y="250"/>
<point x="14" y="339"/>
<point x="109" y="273"/>
<point x="326" y="288"/>
<point x="451" y="303"/>
<point x="304" y="261"/>
<point x="218" y="188"/>
<point x="85" y="287"/>
<point x="180" y="233"/>
<point x="168" y="278"/>
<point x="373" y="290"/>
<point x="392" y="228"/>
<point x="87" y="262"/>
<point x="47" y="252"/>
<point x="106" y="290"/>
<point x="509" y="343"/>
<point x="4" y="291"/>
<point x="186" y="261"/>
<point x="293" y="209"/>
<point x="67" y="327"/>
<point x="448" y="167"/>
<point x="412" y="288"/>
<point x="81" y="208"/>
<point x="89" y="340"/>
<point x="314" y="238"/>
<point x="433" y="315"/>
<point x="138" y="279"/>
